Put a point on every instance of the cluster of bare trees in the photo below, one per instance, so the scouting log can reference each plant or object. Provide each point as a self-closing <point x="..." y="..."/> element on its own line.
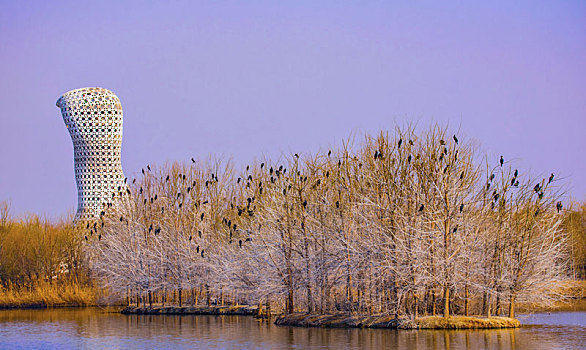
<point x="411" y="222"/>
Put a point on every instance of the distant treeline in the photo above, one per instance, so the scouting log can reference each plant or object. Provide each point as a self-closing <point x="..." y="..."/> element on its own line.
<point x="404" y="222"/>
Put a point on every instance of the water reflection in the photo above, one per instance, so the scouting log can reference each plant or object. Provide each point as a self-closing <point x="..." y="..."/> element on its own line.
<point x="96" y="328"/>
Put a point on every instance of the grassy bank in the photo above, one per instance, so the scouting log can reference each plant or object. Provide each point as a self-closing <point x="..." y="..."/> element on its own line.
<point x="463" y="322"/>
<point x="431" y="322"/>
<point x="43" y="295"/>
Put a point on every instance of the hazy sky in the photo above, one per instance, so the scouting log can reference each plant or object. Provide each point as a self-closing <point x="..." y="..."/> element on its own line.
<point x="252" y="78"/>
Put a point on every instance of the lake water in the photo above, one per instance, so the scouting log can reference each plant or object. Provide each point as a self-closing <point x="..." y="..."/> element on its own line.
<point x="102" y="329"/>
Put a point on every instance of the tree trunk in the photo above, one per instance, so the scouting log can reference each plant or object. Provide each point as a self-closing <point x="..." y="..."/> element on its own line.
<point x="466" y="300"/>
<point x="446" y="301"/>
<point x="180" y="297"/>
<point x="512" y="306"/>
<point x="290" y="301"/>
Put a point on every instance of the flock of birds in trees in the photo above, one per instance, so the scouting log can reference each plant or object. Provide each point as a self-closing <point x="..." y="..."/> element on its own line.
<point x="274" y="174"/>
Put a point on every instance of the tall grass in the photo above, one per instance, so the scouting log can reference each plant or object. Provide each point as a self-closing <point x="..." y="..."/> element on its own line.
<point x="44" y="294"/>
<point x="41" y="263"/>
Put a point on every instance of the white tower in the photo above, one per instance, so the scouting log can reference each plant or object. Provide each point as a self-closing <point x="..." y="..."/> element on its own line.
<point x="93" y="117"/>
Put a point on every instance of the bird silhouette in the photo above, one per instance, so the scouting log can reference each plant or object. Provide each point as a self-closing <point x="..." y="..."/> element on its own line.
<point x="192" y="160"/>
<point x="240" y="243"/>
<point x="329" y="153"/>
<point x="399" y="143"/>
<point x="456" y="139"/>
<point x="502" y="160"/>
<point x="461" y="207"/>
<point x="550" y="179"/>
<point x="559" y="206"/>
<point x="421" y="207"/>
<point x="202" y="216"/>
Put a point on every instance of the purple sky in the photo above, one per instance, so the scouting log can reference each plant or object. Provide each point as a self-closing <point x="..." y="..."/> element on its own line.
<point x="252" y="78"/>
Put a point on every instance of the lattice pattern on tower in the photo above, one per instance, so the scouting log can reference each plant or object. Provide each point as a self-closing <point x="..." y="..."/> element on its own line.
<point x="93" y="117"/>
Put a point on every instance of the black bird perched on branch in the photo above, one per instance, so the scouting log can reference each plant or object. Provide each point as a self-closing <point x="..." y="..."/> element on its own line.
<point x="157" y="230"/>
<point x="461" y="207"/>
<point x="337" y="204"/>
<point x="240" y="243"/>
<point x="142" y="171"/>
<point x="536" y="188"/>
<point x="550" y="179"/>
<point x="149" y="167"/>
<point x="559" y="206"/>
<point x="202" y="250"/>
<point x="329" y="153"/>
<point x="167" y="178"/>
<point x="190" y="238"/>
<point x="502" y="160"/>
<point x="192" y="160"/>
<point x="399" y="143"/>
<point x="262" y="165"/>
<point x="421" y="207"/>
<point x="456" y="139"/>
<point x="202" y="215"/>
<point x="296" y="155"/>
<point x="491" y="177"/>
<point x="197" y="249"/>
<point x="516" y="173"/>
<point x="248" y="239"/>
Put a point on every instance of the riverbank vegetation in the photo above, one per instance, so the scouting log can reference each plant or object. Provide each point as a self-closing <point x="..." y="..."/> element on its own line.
<point x="402" y="223"/>
<point x="385" y="321"/>
<point x="42" y="264"/>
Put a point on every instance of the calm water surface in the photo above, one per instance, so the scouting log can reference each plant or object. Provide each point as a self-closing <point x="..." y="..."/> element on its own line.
<point x="101" y="329"/>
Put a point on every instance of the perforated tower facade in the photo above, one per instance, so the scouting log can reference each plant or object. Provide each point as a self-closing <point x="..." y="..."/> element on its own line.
<point x="93" y="117"/>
